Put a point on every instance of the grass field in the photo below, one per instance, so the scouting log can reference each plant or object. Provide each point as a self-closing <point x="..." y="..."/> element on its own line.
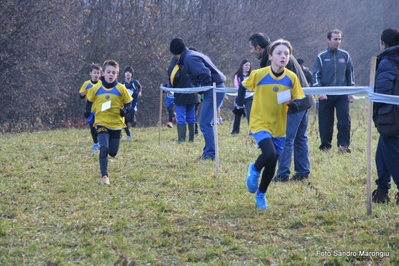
<point x="164" y="207"/>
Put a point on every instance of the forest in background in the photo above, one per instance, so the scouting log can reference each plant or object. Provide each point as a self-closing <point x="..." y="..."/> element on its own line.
<point x="47" y="46"/>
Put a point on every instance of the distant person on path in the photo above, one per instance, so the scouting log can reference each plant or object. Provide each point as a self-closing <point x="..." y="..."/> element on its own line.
<point x="112" y="101"/>
<point x="95" y="73"/>
<point x="202" y="72"/>
<point x="387" y="153"/>
<point x="196" y="115"/>
<point x="242" y="73"/>
<point x="296" y="139"/>
<point x="170" y="105"/>
<point x="306" y="71"/>
<point x="219" y="116"/>
<point x="308" y="74"/>
<point x="135" y="89"/>
<point x="274" y="88"/>
<point x="333" y="67"/>
<point x="185" y="102"/>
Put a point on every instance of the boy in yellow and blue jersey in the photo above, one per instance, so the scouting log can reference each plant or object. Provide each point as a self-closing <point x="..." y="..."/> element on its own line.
<point x="274" y="87"/>
<point x="112" y="101"/>
<point x="95" y="73"/>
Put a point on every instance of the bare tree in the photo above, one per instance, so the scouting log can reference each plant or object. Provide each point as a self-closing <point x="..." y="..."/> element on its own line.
<point x="46" y="47"/>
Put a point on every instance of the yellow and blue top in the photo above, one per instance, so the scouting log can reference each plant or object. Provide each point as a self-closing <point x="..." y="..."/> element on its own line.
<point x="266" y="113"/>
<point x="107" y="102"/>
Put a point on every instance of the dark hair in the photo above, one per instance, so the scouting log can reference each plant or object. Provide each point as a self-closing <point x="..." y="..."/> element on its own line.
<point x="260" y="39"/>
<point x="128" y="69"/>
<point x="390" y="37"/>
<point x="300" y="61"/>
<point x="95" y="66"/>
<point x="336" y="31"/>
<point x="239" y="71"/>
<point x="273" y="45"/>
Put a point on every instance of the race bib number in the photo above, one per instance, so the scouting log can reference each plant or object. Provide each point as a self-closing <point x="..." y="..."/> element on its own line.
<point x="105" y="106"/>
<point x="283" y="96"/>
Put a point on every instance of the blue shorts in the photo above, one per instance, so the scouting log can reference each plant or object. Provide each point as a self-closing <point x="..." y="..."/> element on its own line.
<point x="169" y="100"/>
<point x="90" y="119"/>
<point x="278" y="142"/>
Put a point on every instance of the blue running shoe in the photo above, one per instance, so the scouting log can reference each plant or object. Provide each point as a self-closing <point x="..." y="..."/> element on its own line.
<point x="252" y="178"/>
<point x="261" y="202"/>
<point x="95" y="147"/>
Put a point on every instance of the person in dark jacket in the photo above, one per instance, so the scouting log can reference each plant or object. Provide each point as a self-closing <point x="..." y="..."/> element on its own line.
<point x="184" y="102"/>
<point x="202" y="72"/>
<point x="135" y="89"/>
<point x="309" y="78"/>
<point x="306" y="71"/>
<point x="296" y="140"/>
<point x="333" y="67"/>
<point x="387" y="153"/>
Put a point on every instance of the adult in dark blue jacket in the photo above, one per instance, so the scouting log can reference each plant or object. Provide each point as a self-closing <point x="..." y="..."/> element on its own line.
<point x="202" y="72"/>
<point x="333" y="67"/>
<point x="387" y="153"/>
<point x="185" y="102"/>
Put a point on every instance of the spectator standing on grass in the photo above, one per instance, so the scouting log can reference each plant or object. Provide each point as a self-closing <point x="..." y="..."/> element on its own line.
<point x="192" y="48"/>
<point x="112" y="101"/>
<point x="135" y="89"/>
<point x="333" y="67"/>
<point x="185" y="102"/>
<point x="242" y="73"/>
<point x="387" y="153"/>
<point x="202" y="72"/>
<point x="274" y="87"/>
<point x="95" y="73"/>
<point x="296" y="139"/>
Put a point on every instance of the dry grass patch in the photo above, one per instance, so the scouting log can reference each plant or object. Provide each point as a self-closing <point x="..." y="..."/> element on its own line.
<point x="164" y="207"/>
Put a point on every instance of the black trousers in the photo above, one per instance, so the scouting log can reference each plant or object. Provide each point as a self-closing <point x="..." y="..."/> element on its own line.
<point x="237" y="119"/>
<point x="339" y="104"/>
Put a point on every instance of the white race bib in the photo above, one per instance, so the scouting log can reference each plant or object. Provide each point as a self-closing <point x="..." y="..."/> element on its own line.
<point x="105" y="106"/>
<point x="283" y="96"/>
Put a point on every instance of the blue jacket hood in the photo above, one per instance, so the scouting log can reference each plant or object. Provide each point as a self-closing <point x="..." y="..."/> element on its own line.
<point x="392" y="52"/>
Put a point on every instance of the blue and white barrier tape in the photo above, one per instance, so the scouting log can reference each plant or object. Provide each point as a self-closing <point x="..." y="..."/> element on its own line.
<point x="374" y="97"/>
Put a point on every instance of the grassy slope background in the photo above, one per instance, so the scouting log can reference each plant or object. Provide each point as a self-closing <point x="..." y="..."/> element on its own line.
<point x="166" y="208"/>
